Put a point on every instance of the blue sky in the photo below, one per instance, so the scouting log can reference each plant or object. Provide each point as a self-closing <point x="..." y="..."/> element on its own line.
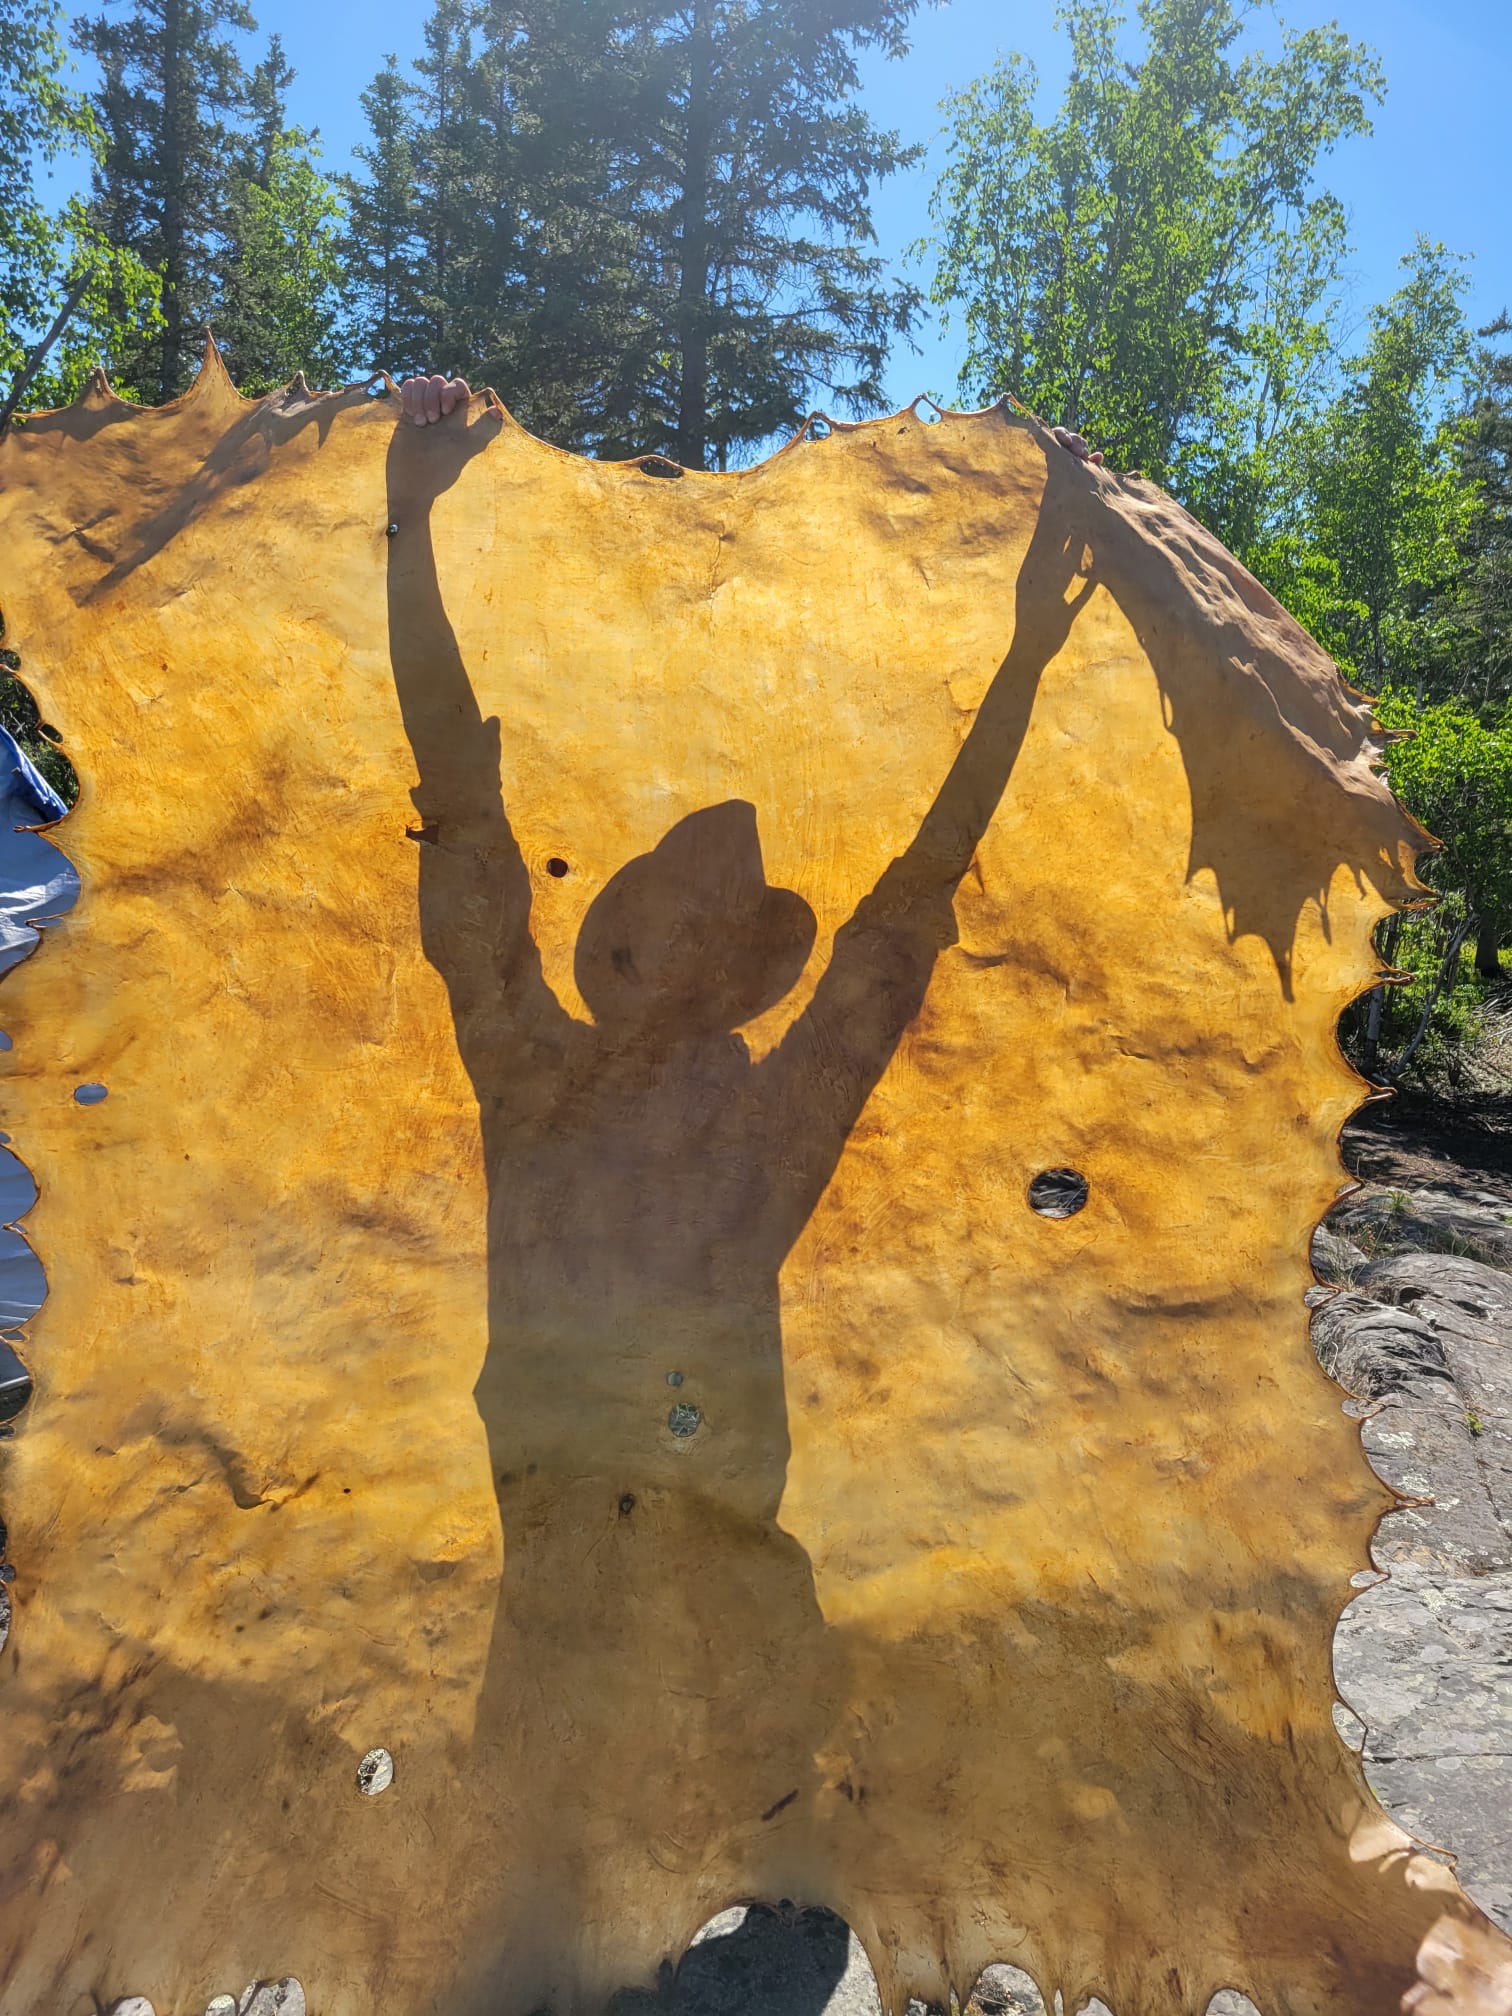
<point x="1440" y="160"/>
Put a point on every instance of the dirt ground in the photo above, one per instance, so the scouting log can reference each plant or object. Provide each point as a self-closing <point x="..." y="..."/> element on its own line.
<point x="1409" y="1142"/>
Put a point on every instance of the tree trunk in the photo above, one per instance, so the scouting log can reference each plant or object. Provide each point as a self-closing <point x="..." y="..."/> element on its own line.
<point x="176" y="102"/>
<point x="1444" y="980"/>
<point x="693" y="289"/>
<point x="1488" y="949"/>
<point x="1371" y="1048"/>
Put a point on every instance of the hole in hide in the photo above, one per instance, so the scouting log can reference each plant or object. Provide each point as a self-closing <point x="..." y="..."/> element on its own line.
<point x="1058" y="1193"/>
<point x="760" y="1957"/>
<point x="375" y="1773"/>
<point x="684" y="1420"/>
<point x="659" y="465"/>
<point x="556" y="866"/>
<point x="674" y="1378"/>
<point x="1006" y="1991"/>
<point x="91" y="1094"/>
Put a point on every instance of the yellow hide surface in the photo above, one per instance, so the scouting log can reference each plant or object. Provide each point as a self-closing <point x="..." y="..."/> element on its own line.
<point x="586" y="968"/>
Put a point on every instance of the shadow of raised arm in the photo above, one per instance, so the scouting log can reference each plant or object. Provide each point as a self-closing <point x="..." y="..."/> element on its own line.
<point x="821" y="1075"/>
<point x="474" y="885"/>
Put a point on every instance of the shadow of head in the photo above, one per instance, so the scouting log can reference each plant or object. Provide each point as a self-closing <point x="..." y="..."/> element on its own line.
<point x="689" y="940"/>
<point x="770" y="1963"/>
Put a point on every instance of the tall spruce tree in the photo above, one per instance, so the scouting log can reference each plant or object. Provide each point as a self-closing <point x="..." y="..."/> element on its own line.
<point x="267" y="111"/>
<point x="453" y="146"/>
<point x="172" y="86"/>
<point x="381" y="248"/>
<point x="744" y="166"/>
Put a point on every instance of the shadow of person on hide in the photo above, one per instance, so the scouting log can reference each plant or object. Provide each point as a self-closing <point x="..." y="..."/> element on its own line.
<point x="660" y="1679"/>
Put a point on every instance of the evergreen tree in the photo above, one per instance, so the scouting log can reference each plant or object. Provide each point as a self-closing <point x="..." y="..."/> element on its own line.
<point x="171" y="82"/>
<point x="381" y="249"/>
<point x="452" y="153"/>
<point x="267" y="111"/>
<point x="742" y="166"/>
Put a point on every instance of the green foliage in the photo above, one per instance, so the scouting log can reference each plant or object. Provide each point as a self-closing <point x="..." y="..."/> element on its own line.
<point x="1454" y="774"/>
<point x="1433" y="1019"/>
<point x="172" y="88"/>
<point x="1150" y="265"/>
<point x="1385" y="496"/>
<point x="43" y="122"/>
<point x="280" y="301"/>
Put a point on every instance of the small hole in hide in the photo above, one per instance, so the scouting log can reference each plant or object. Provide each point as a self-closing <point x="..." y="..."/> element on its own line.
<point x="627" y="1504"/>
<point x="556" y="866"/>
<point x="658" y="465"/>
<point x="1058" y="1193"/>
<point x="684" y="1420"/>
<point x="674" y="1378"/>
<point x="46" y="728"/>
<point x="11" y="660"/>
<point x="5" y="1041"/>
<point x="375" y="1773"/>
<point x="91" y="1094"/>
<point x="425" y="834"/>
<point x="391" y="530"/>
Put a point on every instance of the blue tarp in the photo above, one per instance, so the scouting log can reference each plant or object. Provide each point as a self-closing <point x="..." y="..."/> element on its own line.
<point x="36" y="883"/>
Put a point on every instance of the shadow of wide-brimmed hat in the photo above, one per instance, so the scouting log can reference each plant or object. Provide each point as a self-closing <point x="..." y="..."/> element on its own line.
<point x="691" y="933"/>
